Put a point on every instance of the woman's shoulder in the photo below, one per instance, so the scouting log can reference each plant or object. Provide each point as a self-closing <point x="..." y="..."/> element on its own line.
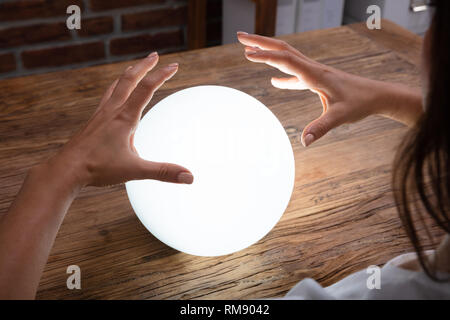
<point x="388" y="282"/>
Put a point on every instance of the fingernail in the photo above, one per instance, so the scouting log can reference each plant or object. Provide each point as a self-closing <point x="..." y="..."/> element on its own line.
<point x="308" y="139"/>
<point x="242" y="33"/>
<point x="185" y="177"/>
<point x="129" y="67"/>
<point x="152" y="55"/>
<point x="172" y="66"/>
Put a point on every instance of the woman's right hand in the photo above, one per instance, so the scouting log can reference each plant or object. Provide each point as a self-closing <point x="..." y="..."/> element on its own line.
<point x="345" y="98"/>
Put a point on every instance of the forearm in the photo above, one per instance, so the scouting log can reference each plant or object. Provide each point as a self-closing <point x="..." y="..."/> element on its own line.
<point x="28" y="230"/>
<point x="397" y="102"/>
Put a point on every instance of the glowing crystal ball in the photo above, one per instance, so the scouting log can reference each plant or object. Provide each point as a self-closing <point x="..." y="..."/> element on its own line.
<point x="243" y="168"/>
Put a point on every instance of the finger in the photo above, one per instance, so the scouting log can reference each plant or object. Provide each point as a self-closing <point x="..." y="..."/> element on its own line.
<point x="292" y="83"/>
<point x="161" y="171"/>
<point x="266" y="43"/>
<point x="104" y="99"/>
<point x="249" y="49"/>
<point x="131" y="77"/>
<point x="143" y="93"/>
<point x="318" y="128"/>
<point x="108" y="93"/>
<point x="282" y="60"/>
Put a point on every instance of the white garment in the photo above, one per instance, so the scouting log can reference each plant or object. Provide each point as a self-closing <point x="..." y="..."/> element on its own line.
<point x="396" y="283"/>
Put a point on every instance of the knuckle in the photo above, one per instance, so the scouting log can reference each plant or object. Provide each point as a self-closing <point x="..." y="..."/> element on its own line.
<point x="322" y="73"/>
<point x="148" y="82"/>
<point x="163" y="171"/>
<point x="321" y="127"/>
<point x="129" y="76"/>
<point x="289" y="56"/>
<point x="283" y="45"/>
<point x="123" y="116"/>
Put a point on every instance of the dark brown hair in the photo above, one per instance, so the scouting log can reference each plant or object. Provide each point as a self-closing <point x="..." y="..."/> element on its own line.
<point x="421" y="172"/>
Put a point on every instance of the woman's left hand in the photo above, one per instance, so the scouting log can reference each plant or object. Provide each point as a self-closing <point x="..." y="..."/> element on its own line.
<point x="345" y="97"/>
<point x="102" y="153"/>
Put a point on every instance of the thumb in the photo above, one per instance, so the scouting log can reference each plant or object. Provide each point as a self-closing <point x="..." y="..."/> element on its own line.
<point x="318" y="128"/>
<point x="166" y="172"/>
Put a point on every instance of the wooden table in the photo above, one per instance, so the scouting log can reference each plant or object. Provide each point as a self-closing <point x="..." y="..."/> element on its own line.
<point x="341" y="217"/>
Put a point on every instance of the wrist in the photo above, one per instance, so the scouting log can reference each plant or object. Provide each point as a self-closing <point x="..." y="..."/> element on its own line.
<point x="377" y="96"/>
<point x="59" y="175"/>
<point x="397" y="102"/>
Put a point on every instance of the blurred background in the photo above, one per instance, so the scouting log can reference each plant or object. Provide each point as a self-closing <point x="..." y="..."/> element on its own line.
<point x="34" y="37"/>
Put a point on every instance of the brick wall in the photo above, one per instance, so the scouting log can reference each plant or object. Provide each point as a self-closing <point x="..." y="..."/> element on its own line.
<point x="34" y="37"/>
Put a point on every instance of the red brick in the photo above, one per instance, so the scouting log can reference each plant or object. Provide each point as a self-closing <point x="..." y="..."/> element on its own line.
<point x="95" y="26"/>
<point x="7" y="62"/>
<point x="146" y="42"/>
<point x="59" y="56"/>
<point x="30" y="9"/>
<point x="99" y="5"/>
<point x="17" y="36"/>
<point x="154" y="18"/>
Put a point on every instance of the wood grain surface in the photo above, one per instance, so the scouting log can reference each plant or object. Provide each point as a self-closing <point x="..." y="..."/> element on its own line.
<point x="341" y="218"/>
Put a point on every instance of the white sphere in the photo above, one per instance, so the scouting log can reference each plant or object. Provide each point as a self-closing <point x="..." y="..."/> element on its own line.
<point x="243" y="168"/>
